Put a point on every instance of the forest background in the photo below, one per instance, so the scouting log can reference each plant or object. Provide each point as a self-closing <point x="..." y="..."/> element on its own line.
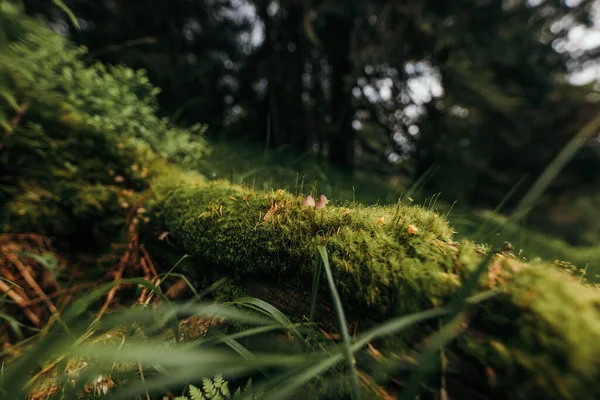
<point x="470" y="99"/>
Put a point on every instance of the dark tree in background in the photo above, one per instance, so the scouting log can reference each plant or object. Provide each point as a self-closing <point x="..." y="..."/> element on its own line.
<point x="472" y="94"/>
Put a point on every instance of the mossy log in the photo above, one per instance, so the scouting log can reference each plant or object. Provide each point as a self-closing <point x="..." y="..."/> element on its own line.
<point x="540" y="338"/>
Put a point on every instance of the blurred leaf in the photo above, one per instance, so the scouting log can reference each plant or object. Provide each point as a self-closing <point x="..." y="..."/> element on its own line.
<point x="60" y="4"/>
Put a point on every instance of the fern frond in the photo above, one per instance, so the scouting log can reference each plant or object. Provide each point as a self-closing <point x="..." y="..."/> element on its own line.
<point x="196" y="394"/>
<point x="209" y="389"/>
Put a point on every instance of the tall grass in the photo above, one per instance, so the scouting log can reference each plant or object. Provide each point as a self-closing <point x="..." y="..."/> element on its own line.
<point x="146" y="359"/>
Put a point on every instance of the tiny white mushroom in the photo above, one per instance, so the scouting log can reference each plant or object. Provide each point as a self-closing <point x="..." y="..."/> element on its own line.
<point x="308" y="201"/>
<point x="321" y="202"/>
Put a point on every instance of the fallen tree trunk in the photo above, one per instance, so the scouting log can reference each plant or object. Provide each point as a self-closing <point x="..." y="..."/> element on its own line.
<point x="539" y="338"/>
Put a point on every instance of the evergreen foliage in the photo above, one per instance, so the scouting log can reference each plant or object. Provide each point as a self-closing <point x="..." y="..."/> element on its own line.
<point x="295" y="75"/>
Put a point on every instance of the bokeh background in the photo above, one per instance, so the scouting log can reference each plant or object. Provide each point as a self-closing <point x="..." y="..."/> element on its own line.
<point x="464" y="100"/>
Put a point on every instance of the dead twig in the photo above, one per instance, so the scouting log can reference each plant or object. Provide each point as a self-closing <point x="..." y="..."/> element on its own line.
<point x="31" y="282"/>
<point x="19" y="301"/>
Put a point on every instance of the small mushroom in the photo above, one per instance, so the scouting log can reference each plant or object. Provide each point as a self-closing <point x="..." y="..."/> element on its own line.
<point x="308" y="201"/>
<point x="321" y="202"/>
<point x="163" y="235"/>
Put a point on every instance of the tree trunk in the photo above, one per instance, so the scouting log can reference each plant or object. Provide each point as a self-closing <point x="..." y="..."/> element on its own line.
<point x="341" y="138"/>
<point x="283" y="53"/>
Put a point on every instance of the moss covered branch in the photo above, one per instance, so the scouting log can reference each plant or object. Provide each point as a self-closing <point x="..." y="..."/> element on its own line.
<point x="540" y="336"/>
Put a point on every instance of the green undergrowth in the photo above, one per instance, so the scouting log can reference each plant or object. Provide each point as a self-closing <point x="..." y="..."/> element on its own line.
<point x="153" y="350"/>
<point x="218" y="389"/>
<point x="78" y="140"/>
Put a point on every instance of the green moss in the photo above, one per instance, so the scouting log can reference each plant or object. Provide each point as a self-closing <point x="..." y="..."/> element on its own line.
<point x="71" y="186"/>
<point x="544" y="332"/>
<point x="251" y="232"/>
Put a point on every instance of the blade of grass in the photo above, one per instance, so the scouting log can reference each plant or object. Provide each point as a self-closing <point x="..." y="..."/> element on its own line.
<point x="15" y="325"/>
<point x="499" y="207"/>
<point x="60" y="4"/>
<point x="170" y="272"/>
<point x="299" y="379"/>
<point x="267" y="309"/>
<point x="422" y="180"/>
<point x="240" y="335"/>
<point x="555" y="166"/>
<point x="216" y="310"/>
<point x="337" y="303"/>
<point x="154" y="352"/>
<point x="427" y="359"/>
<point x="241" y="350"/>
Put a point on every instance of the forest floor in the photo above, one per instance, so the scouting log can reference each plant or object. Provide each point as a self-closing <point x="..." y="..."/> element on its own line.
<point x="42" y="290"/>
